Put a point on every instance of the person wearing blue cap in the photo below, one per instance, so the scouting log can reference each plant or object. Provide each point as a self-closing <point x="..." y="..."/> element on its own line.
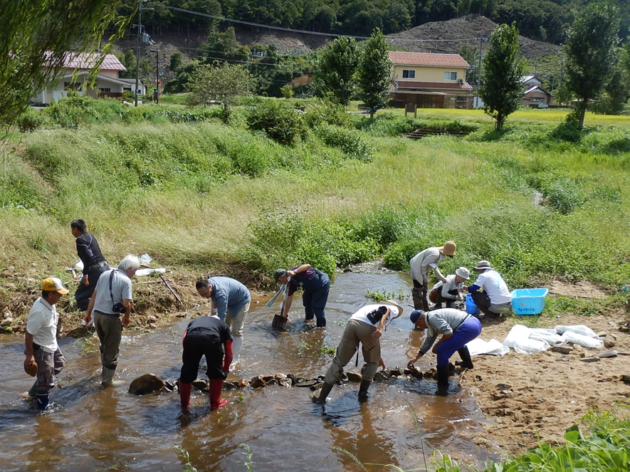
<point x="457" y="329"/>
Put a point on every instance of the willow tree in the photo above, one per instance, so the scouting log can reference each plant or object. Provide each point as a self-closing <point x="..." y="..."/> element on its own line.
<point x="503" y="67"/>
<point x="37" y="34"/>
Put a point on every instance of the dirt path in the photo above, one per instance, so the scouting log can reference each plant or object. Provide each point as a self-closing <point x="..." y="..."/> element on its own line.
<point x="541" y="395"/>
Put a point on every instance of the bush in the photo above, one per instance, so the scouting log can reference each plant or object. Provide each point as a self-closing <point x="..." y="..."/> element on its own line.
<point x="351" y="142"/>
<point x="325" y="112"/>
<point x="280" y="123"/>
<point x="29" y="121"/>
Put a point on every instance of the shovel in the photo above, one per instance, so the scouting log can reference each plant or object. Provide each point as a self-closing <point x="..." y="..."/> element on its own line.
<point x="279" y="321"/>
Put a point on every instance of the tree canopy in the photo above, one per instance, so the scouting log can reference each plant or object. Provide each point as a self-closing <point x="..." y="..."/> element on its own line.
<point x="336" y="68"/>
<point x="374" y="74"/>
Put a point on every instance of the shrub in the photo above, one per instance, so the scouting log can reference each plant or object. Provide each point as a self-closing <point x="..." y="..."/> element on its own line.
<point x="327" y="112"/>
<point x="287" y="91"/>
<point x="280" y="123"/>
<point x="351" y="142"/>
<point x="29" y="121"/>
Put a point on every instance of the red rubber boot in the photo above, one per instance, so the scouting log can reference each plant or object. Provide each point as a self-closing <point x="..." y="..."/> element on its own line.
<point x="184" y="395"/>
<point x="216" y="385"/>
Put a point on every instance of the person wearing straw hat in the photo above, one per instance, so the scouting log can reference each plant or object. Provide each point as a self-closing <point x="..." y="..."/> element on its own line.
<point x="419" y="268"/>
<point x="365" y="327"/>
<point x="451" y="290"/>
<point x="457" y="328"/>
<point x="316" y="286"/>
<point x="43" y="356"/>
<point x="490" y="292"/>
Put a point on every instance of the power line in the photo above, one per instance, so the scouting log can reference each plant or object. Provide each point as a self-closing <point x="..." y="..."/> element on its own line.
<point x="291" y="30"/>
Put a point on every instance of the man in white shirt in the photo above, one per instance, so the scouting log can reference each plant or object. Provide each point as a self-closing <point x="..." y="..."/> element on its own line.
<point x="419" y="267"/>
<point x="365" y="327"/>
<point x="490" y="292"/>
<point x="40" y="340"/>
<point x="451" y="290"/>
<point x="110" y="305"/>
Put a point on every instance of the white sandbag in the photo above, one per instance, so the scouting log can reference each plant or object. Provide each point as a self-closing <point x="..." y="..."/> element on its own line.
<point x="79" y="266"/>
<point x="493" y="347"/>
<point x="530" y="346"/>
<point x="145" y="259"/>
<point x="145" y="272"/>
<point x="517" y="333"/>
<point x="585" y="341"/>
<point x="548" y="335"/>
<point x="580" y="329"/>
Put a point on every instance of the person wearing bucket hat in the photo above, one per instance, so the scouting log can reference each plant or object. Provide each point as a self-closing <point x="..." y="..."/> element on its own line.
<point x="457" y="329"/>
<point x="490" y="292"/>
<point x="316" y="286"/>
<point x="365" y="327"/>
<point x="41" y="348"/>
<point x="451" y="290"/>
<point x="419" y="267"/>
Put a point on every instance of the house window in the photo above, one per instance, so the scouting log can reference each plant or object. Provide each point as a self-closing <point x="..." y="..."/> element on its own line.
<point x="409" y="74"/>
<point x="450" y="75"/>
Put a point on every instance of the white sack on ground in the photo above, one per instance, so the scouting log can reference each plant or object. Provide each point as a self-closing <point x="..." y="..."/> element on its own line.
<point x="585" y="341"/>
<point x="579" y="329"/>
<point x="548" y="335"/>
<point x="519" y="339"/>
<point x="79" y="266"/>
<point x="145" y="272"/>
<point x="493" y="347"/>
<point x="516" y="334"/>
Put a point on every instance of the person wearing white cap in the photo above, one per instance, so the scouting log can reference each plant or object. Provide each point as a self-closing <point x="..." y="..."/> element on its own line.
<point x="43" y="356"/>
<point x="419" y="268"/>
<point x="451" y="290"/>
<point x="490" y="292"/>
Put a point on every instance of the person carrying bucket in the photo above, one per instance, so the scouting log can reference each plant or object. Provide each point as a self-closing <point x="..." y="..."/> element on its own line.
<point x="490" y="292"/>
<point x="419" y="268"/>
<point x="457" y="329"/>
<point x="449" y="291"/>
<point x="365" y="327"/>
<point x="316" y="286"/>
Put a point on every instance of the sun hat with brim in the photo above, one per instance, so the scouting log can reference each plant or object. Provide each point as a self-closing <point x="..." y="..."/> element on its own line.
<point x="449" y="248"/>
<point x="463" y="273"/>
<point x="31" y="369"/>
<point x="279" y="273"/>
<point x="415" y="315"/>
<point x="53" y="284"/>
<point x="400" y="309"/>
<point x="483" y="265"/>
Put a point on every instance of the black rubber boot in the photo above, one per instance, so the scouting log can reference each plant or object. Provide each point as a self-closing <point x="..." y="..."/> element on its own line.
<point x="442" y="383"/>
<point x="323" y="394"/>
<point x="363" y="390"/>
<point x="466" y="362"/>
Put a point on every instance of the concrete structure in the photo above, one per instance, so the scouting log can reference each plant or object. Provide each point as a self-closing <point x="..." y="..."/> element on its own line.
<point x="430" y="80"/>
<point x="75" y="76"/>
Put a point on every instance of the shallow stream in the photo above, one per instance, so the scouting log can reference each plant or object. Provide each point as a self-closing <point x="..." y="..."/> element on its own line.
<point x="96" y="429"/>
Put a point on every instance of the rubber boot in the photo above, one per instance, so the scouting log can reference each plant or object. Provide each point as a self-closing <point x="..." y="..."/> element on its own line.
<point x="323" y="393"/>
<point x="42" y="401"/>
<point x="184" y="395"/>
<point x="466" y="362"/>
<point x="237" y="344"/>
<point x="442" y="383"/>
<point x="363" y="390"/>
<point x="33" y="391"/>
<point x="216" y="385"/>
<point x="108" y="377"/>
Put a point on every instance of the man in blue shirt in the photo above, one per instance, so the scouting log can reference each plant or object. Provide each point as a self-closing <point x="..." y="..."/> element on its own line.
<point x="229" y="297"/>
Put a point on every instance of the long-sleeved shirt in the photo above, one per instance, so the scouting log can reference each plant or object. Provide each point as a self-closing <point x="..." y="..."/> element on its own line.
<point x="425" y="260"/>
<point x="228" y="294"/>
<point x="443" y="321"/>
<point x="89" y="251"/>
<point x="450" y="289"/>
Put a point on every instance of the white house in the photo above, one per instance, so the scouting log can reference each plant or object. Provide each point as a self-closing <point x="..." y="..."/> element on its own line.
<point x="108" y="81"/>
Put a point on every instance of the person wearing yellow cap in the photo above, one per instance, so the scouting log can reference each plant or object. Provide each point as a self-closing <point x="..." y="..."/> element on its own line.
<point x="41" y="348"/>
<point x="419" y="267"/>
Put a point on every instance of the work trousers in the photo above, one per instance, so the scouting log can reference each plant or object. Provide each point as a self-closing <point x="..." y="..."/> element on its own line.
<point x="236" y="320"/>
<point x="109" y="330"/>
<point x="356" y="332"/>
<point x="315" y="300"/>
<point x="49" y="364"/>
<point x="419" y="294"/>
<point x="199" y="343"/>
<point x="85" y="292"/>
<point x="439" y="300"/>
<point x="467" y="331"/>
<point x="483" y="302"/>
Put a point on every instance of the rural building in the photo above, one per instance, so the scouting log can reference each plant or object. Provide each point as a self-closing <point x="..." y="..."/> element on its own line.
<point x="533" y="93"/>
<point x="108" y="81"/>
<point x="430" y="80"/>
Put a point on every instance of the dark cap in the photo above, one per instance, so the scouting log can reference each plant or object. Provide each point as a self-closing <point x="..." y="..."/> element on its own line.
<point x="279" y="273"/>
<point x="415" y="315"/>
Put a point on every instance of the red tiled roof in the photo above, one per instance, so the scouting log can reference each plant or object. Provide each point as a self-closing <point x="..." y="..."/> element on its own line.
<point x="433" y="85"/>
<point x="426" y="59"/>
<point x="86" y="60"/>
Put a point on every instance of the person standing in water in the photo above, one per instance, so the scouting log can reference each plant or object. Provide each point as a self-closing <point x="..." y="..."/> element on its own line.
<point x="316" y="286"/>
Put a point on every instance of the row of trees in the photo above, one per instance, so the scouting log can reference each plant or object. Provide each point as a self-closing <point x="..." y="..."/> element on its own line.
<point x="597" y="69"/>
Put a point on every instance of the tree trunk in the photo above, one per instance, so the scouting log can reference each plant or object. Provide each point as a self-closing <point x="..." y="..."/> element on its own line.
<point x="582" y="113"/>
<point x="500" y="120"/>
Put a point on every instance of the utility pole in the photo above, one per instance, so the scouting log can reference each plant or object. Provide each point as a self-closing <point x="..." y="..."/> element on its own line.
<point x="479" y="70"/>
<point x="139" y="31"/>
<point x="157" y="73"/>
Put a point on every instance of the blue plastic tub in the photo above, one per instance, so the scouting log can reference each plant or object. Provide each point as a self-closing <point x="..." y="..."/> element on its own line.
<point x="471" y="308"/>
<point x="529" y="301"/>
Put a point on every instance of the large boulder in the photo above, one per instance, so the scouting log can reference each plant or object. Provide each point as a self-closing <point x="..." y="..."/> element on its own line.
<point x="146" y="383"/>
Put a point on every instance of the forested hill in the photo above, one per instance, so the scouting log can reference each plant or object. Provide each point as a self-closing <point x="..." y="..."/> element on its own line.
<point x="545" y="20"/>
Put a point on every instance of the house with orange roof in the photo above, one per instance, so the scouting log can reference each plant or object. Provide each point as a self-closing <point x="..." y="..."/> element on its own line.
<point x="75" y="76"/>
<point x="430" y="80"/>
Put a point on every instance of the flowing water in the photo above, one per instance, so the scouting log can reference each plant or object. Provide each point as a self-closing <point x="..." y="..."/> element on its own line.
<point x="96" y="429"/>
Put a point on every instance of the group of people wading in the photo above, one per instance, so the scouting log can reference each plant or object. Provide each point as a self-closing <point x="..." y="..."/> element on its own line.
<point x="105" y="296"/>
